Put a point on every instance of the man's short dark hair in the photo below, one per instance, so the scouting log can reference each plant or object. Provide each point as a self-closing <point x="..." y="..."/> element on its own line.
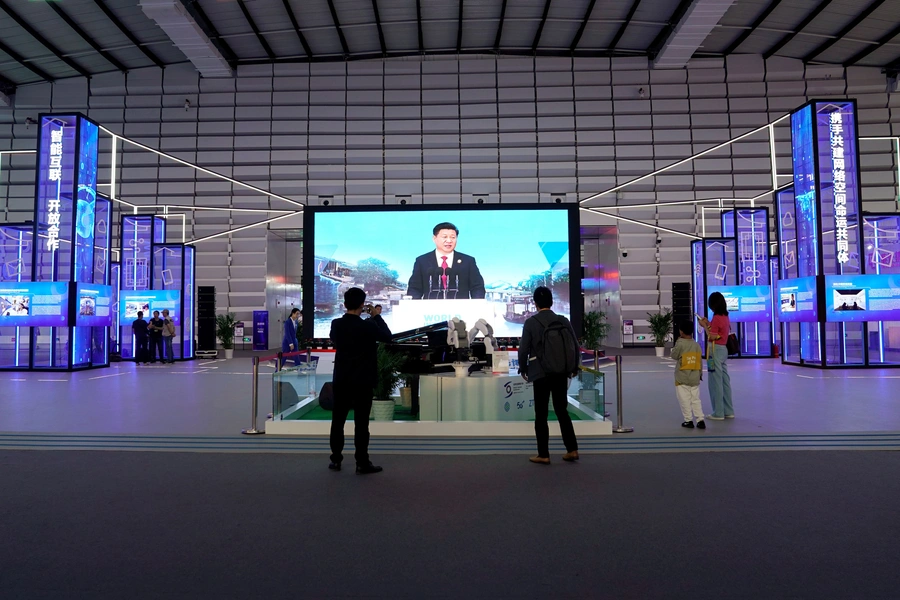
<point x="140" y="314"/>
<point x="543" y="298"/>
<point x="445" y="225"/>
<point x="686" y="327"/>
<point x="354" y="298"/>
<point x="295" y="310"/>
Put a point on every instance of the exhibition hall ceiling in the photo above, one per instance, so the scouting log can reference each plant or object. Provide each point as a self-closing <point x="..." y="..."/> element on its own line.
<point x="48" y="40"/>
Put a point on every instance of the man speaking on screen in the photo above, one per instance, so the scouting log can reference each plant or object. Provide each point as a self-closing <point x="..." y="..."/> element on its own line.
<point x="445" y="273"/>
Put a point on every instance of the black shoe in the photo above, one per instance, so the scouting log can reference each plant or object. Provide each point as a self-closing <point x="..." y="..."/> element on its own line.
<point x="368" y="469"/>
<point x="701" y="424"/>
<point x="688" y="424"/>
<point x="334" y="466"/>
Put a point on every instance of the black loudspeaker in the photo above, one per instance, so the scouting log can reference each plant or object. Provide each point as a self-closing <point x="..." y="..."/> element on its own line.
<point x="206" y="317"/>
<point x="682" y="307"/>
<point x="326" y="396"/>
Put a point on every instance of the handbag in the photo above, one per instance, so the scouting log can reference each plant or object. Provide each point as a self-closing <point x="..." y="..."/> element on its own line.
<point x="731" y="344"/>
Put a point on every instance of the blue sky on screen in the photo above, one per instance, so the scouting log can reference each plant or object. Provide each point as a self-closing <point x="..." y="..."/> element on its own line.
<point x="508" y="245"/>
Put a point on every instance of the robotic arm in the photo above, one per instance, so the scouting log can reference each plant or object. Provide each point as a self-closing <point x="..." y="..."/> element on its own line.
<point x="483" y="327"/>
<point x="456" y="334"/>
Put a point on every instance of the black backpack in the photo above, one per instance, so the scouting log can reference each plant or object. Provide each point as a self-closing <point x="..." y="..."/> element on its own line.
<point x="558" y="350"/>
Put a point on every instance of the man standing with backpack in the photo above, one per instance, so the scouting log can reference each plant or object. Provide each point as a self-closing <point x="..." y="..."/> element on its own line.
<point x="548" y="357"/>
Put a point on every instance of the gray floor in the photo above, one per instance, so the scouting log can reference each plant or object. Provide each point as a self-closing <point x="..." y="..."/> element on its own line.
<point x="213" y="398"/>
<point x="142" y="525"/>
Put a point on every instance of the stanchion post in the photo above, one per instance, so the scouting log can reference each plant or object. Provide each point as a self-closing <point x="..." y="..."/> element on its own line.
<point x="276" y="397"/>
<point x="255" y="400"/>
<point x="619" y="427"/>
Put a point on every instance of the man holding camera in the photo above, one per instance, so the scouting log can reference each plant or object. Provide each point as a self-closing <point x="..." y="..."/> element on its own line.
<point x="355" y="366"/>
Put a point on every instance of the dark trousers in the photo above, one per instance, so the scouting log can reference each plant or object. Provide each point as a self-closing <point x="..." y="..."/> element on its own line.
<point x="557" y="386"/>
<point x="156" y="348"/>
<point x="359" y="399"/>
<point x="141" y="352"/>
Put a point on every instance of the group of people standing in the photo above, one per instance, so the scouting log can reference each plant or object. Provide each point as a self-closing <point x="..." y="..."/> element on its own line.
<point x="688" y="366"/>
<point x="154" y="338"/>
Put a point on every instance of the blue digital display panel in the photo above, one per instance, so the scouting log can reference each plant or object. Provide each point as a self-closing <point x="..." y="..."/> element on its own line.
<point x="34" y="304"/>
<point x="86" y="200"/>
<point x="805" y="193"/>
<point x="146" y="301"/>
<point x="862" y="298"/>
<point x="798" y="300"/>
<point x="93" y="304"/>
<point x="746" y="303"/>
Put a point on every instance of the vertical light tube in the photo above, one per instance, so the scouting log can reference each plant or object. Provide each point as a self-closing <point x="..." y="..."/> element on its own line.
<point x="112" y="171"/>
<point x="772" y="156"/>
<point x="877" y="271"/>
<point x="19" y="278"/>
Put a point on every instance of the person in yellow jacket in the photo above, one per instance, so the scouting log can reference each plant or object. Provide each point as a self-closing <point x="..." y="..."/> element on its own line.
<point x="688" y="373"/>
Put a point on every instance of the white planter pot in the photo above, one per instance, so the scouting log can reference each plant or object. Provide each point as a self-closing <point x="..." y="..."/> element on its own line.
<point x="461" y="370"/>
<point x="229" y="353"/>
<point x="660" y="351"/>
<point x="383" y="410"/>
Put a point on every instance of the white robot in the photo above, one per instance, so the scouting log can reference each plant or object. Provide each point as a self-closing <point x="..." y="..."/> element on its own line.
<point x="483" y="327"/>
<point x="456" y="333"/>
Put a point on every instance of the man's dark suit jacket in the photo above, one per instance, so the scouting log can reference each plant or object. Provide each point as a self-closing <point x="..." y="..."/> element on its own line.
<point x="471" y="284"/>
<point x="355" y="340"/>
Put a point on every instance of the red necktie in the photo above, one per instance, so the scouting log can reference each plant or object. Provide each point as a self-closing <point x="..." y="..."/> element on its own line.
<point x="444" y="277"/>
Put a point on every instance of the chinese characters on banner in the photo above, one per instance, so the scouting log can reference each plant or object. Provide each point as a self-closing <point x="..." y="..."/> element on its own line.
<point x="54" y="173"/>
<point x="839" y="176"/>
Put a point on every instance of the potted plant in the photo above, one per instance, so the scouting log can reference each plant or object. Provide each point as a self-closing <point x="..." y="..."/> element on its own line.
<point x="387" y="377"/>
<point x="594" y="331"/>
<point x="660" y="328"/>
<point x="225" y="332"/>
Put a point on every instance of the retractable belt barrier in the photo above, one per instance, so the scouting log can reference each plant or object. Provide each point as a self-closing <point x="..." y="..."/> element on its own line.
<point x="276" y="397"/>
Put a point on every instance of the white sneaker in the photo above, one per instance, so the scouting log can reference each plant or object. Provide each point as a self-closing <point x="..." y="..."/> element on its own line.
<point x="729" y="416"/>
<point x="715" y="418"/>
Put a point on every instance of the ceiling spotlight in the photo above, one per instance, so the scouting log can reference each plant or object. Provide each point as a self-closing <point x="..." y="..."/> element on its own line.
<point x="641" y="92"/>
<point x="187" y="105"/>
<point x="29" y="122"/>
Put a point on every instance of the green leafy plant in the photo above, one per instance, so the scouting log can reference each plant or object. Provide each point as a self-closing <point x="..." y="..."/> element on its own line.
<point x="387" y="374"/>
<point x="660" y="326"/>
<point x="225" y="329"/>
<point x="594" y="329"/>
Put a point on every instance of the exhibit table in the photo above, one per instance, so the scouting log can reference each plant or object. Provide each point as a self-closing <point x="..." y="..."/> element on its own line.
<point x="478" y="397"/>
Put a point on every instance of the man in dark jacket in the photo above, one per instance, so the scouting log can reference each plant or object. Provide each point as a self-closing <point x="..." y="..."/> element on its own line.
<point x="141" y="339"/>
<point x="443" y="272"/>
<point x="545" y="384"/>
<point x="355" y="367"/>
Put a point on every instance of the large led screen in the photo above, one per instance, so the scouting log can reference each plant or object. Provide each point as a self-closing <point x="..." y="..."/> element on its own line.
<point x="480" y="264"/>
<point x="93" y="305"/>
<point x="862" y="298"/>
<point x="146" y="301"/>
<point x="797" y="300"/>
<point x="34" y="304"/>
<point x="746" y="303"/>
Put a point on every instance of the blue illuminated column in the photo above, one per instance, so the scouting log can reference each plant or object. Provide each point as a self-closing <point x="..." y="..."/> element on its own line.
<point x="138" y="234"/>
<point x="64" y="220"/>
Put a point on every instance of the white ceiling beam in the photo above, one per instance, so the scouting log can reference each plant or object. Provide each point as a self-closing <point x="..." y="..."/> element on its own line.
<point x="685" y="36"/>
<point x="188" y="36"/>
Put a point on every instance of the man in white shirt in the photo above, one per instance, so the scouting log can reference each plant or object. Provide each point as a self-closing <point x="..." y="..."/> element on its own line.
<point x="444" y="272"/>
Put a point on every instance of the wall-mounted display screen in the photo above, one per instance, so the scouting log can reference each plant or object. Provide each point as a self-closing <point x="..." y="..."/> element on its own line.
<point x="93" y="305"/>
<point x="862" y="298"/>
<point x="797" y="300"/>
<point x="34" y="304"/>
<point x="480" y="263"/>
<point x="146" y="301"/>
<point x="746" y="303"/>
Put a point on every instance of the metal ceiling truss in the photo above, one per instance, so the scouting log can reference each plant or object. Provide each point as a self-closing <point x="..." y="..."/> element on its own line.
<point x="206" y="26"/>
<point x="381" y="41"/>
<point x="799" y="29"/>
<point x="87" y="38"/>
<point x="748" y="32"/>
<point x="127" y="33"/>
<point x="337" y="26"/>
<point x="459" y="27"/>
<point x="296" y="26"/>
<point x="37" y="36"/>
<point x="581" y="28"/>
<point x="873" y="47"/>
<point x="843" y="32"/>
<point x="500" y="27"/>
<point x="540" y="29"/>
<point x="621" y="31"/>
<point x="259" y="35"/>
<point x="418" y="25"/>
<point x="21" y="60"/>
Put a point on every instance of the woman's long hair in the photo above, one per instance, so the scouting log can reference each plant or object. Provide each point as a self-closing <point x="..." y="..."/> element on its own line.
<point x="717" y="304"/>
